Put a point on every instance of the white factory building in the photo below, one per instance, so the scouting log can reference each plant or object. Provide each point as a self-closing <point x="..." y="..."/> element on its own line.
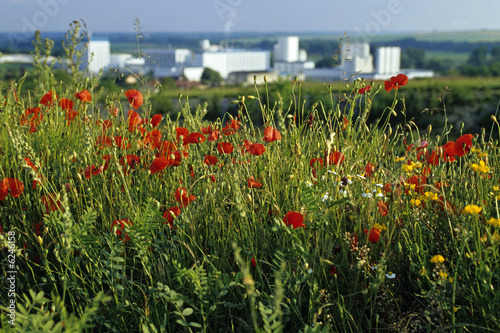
<point x="356" y="59"/>
<point x="167" y="62"/>
<point x="288" y="58"/>
<point x="97" y="55"/>
<point x="228" y="60"/>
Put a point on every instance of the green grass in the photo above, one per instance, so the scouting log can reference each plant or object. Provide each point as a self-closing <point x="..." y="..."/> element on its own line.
<point x="356" y="226"/>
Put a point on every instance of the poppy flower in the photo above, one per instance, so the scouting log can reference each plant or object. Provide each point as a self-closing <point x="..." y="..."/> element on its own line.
<point x="395" y="82"/>
<point x="271" y="134"/>
<point x="183" y="198"/>
<point x="463" y="144"/>
<point x="382" y="208"/>
<point x="210" y="160"/>
<point x="449" y="151"/>
<point x="93" y="171"/>
<point x="194" y="137"/>
<point x="70" y="115"/>
<point x="181" y="131"/>
<point x="336" y="158"/>
<point x="48" y="98"/>
<point x="369" y="169"/>
<point x="66" y="104"/>
<point x="51" y="203"/>
<point x="315" y="161"/>
<point x="364" y="90"/>
<point x="156" y="120"/>
<point x="345" y="123"/>
<point x="134" y="98"/>
<point x="294" y="219"/>
<point x="158" y="164"/>
<point x="373" y="234"/>
<point x="432" y="157"/>
<point x="225" y="147"/>
<point x="118" y="225"/>
<point x="231" y="127"/>
<point x="253" y="262"/>
<point x="207" y="130"/>
<point x="257" y="149"/>
<point x="84" y="96"/>
<point x="423" y="144"/>
<point x="252" y="183"/>
<point x="31" y="117"/>
<point x="131" y="160"/>
<point x="169" y="215"/>
<point x="11" y="186"/>
<point x="121" y="142"/>
<point x="134" y="121"/>
<point x="106" y="158"/>
<point x="214" y="136"/>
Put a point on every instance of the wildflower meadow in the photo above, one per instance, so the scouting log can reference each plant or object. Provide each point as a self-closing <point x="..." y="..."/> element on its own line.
<point x="117" y="219"/>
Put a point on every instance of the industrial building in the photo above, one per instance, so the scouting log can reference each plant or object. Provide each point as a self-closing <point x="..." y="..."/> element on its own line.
<point x="97" y="55"/>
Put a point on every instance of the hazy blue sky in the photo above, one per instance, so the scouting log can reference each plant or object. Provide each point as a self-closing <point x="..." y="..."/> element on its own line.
<point x="370" y="17"/>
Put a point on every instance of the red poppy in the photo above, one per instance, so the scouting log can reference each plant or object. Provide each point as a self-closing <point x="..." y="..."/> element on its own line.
<point x="84" y="96"/>
<point x="11" y="186"/>
<point x="257" y="149"/>
<point x="345" y="123"/>
<point x="364" y="90"/>
<point x="156" y="120"/>
<point x="225" y="147"/>
<point x="449" y="151"/>
<point x="134" y="121"/>
<point x="134" y="98"/>
<point x="182" y="197"/>
<point x="253" y="262"/>
<point x="369" y="169"/>
<point x="121" y="142"/>
<point x="51" y="203"/>
<point x="373" y="235"/>
<point x="207" y="130"/>
<point x="212" y="178"/>
<point x="210" y="160"/>
<point x="294" y="219"/>
<point x="181" y="131"/>
<point x="194" y="137"/>
<point x="118" y="225"/>
<point x="48" y="98"/>
<point x="131" y="160"/>
<point x="396" y="82"/>
<point x="336" y="158"/>
<point x="32" y="117"/>
<point x="106" y="158"/>
<point x="463" y="144"/>
<point x="169" y="215"/>
<point x="70" y="115"/>
<point x="38" y="228"/>
<point x="231" y="127"/>
<point x="432" y="157"/>
<point x="315" y="161"/>
<point x="66" y="104"/>
<point x="93" y="171"/>
<point x="271" y="134"/>
<point x="214" y="136"/>
<point x="382" y="208"/>
<point x="252" y="183"/>
<point x="423" y="144"/>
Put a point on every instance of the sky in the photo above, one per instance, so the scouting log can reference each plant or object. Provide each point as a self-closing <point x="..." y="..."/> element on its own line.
<point x="362" y="17"/>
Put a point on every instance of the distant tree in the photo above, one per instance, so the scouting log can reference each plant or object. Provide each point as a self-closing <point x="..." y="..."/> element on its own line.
<point x="211" y="77"/>
<point x="413" y="58"/>
<point x="495" y="54"/>
<point x="478" y="56"/>
<point x="326" y="62"/>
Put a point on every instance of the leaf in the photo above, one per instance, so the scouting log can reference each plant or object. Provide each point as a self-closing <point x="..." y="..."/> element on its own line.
<point x="182" y="322"/>
<point x="193" y="324"/>
<point x="187" y="312"/>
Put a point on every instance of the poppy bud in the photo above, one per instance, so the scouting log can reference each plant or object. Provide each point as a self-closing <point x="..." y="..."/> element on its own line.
<point x="251" y="97"/>
<point x="242" y="99"/>
<point x="40" y="240"/>
<point x="493" y="118"/>
<point x="265" y="78"/>
<point x="429" y="129"/>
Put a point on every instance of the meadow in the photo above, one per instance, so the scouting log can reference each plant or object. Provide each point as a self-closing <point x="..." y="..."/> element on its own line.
<point x="301" y="216"/>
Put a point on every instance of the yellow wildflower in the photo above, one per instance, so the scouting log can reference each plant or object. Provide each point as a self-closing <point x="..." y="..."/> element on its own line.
<point x="431" y="196"/>
<point x="472" y="209"/>
<point x="415" y="202"/>
<point x="481" y="167"/>
<point x="407" y="167"/>
<point x="494" y="222"/>
<point x="437" y="259"/>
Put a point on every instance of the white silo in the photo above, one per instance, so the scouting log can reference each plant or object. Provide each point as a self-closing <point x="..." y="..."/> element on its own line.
<point x="288" y="49"/>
